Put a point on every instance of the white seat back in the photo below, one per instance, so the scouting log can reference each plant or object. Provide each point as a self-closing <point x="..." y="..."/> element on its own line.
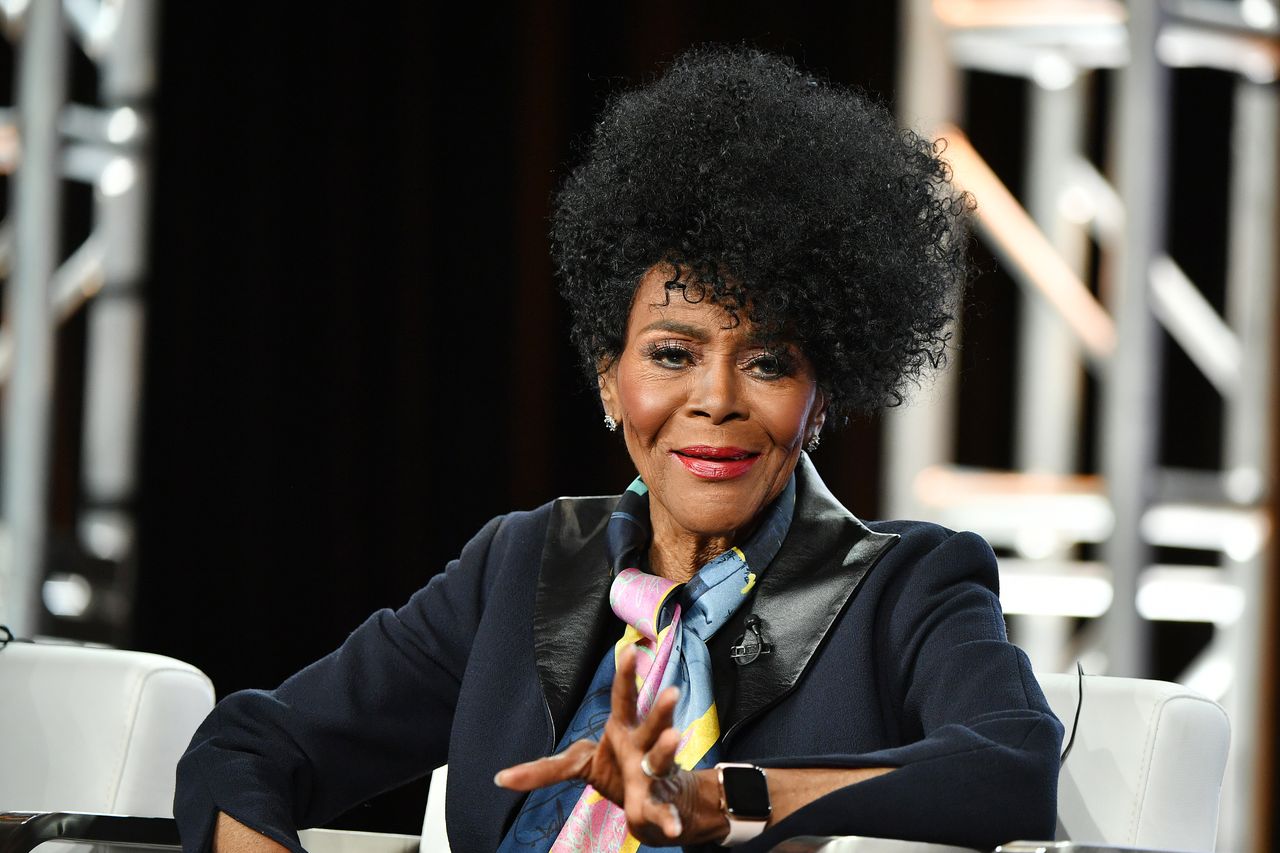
<point x="1147" y="765"/>
<point x="94" y="730"/>
<point x="434" y="837"/>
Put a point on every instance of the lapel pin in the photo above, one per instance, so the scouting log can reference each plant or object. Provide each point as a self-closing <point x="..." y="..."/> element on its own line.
<point x="751" y="645"/>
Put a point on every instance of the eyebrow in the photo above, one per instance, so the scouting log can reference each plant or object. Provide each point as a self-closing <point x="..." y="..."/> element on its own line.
<point x="698" y="333"/>
<point x="695" y="332"/>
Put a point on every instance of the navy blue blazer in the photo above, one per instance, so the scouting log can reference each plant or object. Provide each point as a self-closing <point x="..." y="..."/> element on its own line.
<point x="889" y="650"/>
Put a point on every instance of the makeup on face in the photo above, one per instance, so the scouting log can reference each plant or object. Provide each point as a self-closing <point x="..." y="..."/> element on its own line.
<point x="715" y="463"/>
<point x="714" y="415"/>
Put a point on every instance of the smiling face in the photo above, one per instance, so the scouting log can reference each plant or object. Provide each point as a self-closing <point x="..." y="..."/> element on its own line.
<point x="713" y="418"/>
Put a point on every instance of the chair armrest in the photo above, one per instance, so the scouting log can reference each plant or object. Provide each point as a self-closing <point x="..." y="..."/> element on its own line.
<point x="867" y="844"/>
<point x="863" y="844"/>
<point x="353" y="841"/>
<point x="1072" y="847"/>
<point x="22" y="831"/>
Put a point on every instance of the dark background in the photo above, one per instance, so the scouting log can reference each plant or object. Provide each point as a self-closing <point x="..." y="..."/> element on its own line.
<point x="355" y="352"/>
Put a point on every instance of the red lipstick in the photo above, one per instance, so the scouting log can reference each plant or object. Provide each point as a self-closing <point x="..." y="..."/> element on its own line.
<point x="715" y="463"/>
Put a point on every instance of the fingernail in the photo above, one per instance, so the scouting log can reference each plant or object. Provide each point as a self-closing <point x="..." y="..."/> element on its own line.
<point x="497" y="779"/>
<point x="675" y="817"/>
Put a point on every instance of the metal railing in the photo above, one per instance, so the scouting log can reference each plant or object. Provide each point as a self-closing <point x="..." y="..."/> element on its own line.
<point x="1044" y="510"/>
<point x="46" y="140"/>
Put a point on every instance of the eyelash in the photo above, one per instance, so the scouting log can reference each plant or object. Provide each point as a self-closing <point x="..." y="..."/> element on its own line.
<point x="660" y="351"/>
<point x="782" y="364"/>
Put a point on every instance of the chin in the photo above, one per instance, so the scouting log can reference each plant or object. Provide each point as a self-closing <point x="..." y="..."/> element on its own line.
<point x="711" y="520"/>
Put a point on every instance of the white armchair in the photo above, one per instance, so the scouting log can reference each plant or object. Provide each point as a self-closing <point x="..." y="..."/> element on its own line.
<point x="92" y="731"/>
<point x="1145" y="771"/>
<point x="1146" y="767"/>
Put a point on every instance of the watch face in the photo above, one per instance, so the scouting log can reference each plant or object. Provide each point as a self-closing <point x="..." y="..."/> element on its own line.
<point x="746" y="793"/>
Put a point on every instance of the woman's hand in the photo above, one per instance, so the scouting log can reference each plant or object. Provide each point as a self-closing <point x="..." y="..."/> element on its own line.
<point x="672" y="806"/>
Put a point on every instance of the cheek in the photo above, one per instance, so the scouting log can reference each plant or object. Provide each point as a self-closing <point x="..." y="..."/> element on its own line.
<point x="789" y="417"/>
<point x="647" y="405"/>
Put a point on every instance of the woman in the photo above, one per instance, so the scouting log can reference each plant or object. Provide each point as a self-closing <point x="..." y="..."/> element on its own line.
<point x="748" y="253"/>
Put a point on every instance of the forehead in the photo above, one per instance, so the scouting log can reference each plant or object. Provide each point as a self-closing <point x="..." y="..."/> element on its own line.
<point x="656" y="305"/>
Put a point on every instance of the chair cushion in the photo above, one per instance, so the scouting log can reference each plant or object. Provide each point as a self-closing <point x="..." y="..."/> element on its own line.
<point x="93" y="729"/>
<point x="1147" y="765"/>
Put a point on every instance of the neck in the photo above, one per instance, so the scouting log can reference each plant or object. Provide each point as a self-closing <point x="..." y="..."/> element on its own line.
<point x="677" y="554"/>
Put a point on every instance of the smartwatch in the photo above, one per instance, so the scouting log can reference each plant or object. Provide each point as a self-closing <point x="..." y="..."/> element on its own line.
<point x="744" y="798"/>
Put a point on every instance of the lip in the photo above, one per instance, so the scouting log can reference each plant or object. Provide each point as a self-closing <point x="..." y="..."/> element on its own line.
<point x="715" y="463"/>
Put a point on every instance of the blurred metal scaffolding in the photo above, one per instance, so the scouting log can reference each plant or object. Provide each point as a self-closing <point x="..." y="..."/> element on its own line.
<point x="45" y="141"/>
<point x="1042" y="512"/>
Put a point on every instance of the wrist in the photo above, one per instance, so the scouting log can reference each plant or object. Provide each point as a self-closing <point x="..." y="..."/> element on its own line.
<point x="711" y="822"/>
<point x="744" y="800"/>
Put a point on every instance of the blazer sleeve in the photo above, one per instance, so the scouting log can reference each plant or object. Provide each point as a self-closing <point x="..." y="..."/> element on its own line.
<point x="260" y="755"/>
<point x="979" y="764"/>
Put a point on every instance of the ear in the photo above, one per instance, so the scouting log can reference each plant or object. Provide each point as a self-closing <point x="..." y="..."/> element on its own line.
<point x="819" y="415"/>
<point x="608" y="381"/>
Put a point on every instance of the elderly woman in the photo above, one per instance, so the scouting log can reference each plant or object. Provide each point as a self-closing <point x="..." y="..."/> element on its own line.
<point x="723" y="654"/>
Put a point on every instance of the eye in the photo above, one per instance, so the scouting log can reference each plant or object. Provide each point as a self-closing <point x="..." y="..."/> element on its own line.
<point x="768" y="365"/>
<point x="669" y="354"/>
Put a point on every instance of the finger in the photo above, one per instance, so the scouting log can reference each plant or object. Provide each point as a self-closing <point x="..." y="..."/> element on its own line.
<point x="673" y="826"/>
<point x="569" y="764"/>
<point x="656" y="821"/>
<point x="660" y="718"/>
<point x="666" y="817"/>
<point x="662" y="755"/>
<point x="623" y="697"/>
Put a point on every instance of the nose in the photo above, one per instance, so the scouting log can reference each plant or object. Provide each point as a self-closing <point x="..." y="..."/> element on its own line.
<point x="716" y="394"/>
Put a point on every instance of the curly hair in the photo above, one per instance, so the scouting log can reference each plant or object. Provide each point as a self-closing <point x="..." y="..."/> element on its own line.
<point x="778" y="196"/>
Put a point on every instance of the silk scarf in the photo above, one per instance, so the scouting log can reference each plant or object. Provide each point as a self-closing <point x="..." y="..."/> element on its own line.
<point x="669" y="624"/>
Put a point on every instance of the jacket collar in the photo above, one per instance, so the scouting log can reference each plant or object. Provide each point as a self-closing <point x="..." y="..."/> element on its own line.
<point x="571" y="610"/>
<point x="821" y="564"/>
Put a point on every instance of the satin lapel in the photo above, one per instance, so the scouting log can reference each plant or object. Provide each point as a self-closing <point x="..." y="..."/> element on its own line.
<point x="572" y="606"/>
<point x="820" y="566"/>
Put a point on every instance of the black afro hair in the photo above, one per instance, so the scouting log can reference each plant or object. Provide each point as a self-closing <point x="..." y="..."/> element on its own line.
<point x="777" y="195"/>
